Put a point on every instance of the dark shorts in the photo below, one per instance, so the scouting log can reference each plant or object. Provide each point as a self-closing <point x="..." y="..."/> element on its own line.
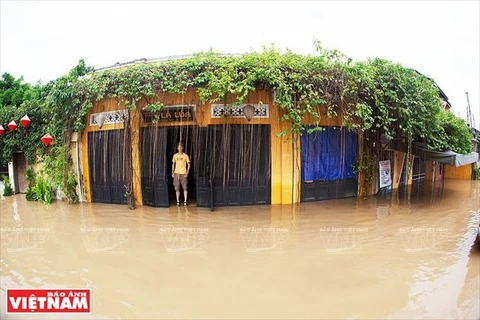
<point x="180" y="179"/>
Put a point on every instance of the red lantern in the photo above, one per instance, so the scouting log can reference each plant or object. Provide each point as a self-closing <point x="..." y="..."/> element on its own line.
<point x="2" y="130"/>
<point x="46" y="139"/>
<point x="12" y="126"/>
<point x="25" y="121"/>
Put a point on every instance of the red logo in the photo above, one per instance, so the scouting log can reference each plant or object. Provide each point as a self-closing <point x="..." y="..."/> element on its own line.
<point x="48" y="300"/>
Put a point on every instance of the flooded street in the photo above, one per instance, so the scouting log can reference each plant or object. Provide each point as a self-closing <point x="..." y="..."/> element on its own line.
<point x="397" y="256"/>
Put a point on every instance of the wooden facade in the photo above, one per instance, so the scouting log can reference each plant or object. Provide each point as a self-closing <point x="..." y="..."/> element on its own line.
<point x="235" y="161"/>
<point x="279" y="166"/>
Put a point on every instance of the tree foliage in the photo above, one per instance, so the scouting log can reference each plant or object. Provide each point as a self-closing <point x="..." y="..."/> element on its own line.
<point x="52" y="108"/>
<point x="453" y="134"/>
<point x="16" y="100"/>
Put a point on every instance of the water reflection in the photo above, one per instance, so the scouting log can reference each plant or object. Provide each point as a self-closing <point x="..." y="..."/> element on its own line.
<point x="407" y="254"/>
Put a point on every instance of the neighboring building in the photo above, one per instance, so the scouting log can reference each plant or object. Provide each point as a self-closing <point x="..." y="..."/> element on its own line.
<point x="15" y="171"/>
<point x="430" y="165"/>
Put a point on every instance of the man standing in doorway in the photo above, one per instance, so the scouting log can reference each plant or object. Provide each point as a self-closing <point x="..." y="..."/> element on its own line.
<point x="180" y="169"/>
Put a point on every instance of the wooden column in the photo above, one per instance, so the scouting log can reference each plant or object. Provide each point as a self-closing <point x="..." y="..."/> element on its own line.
<point x="85" y="167"/>
<point x="135" y="119"/>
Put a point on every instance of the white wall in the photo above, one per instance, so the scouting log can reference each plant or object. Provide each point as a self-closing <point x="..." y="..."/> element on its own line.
<point x="11" y="176"/>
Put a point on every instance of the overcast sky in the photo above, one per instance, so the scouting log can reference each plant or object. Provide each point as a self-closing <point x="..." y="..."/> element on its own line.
<point x="42" y="40"/>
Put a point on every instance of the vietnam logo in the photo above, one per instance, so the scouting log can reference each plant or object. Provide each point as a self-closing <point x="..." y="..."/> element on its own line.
<point x="48" y="301"/>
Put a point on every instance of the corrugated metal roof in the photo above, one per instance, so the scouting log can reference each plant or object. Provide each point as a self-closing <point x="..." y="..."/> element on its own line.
<point x="160" y="59"/>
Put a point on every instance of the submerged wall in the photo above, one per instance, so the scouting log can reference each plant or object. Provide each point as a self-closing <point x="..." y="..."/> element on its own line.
<point x="282" y="157"/>
<point x="463" y="172"/>
<point x="285" y="154"/>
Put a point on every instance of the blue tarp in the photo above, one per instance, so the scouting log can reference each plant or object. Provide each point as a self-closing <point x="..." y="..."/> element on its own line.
<point x="329" y="154"/>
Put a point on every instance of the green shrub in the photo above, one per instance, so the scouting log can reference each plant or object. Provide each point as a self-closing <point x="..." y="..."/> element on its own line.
<point x="43" y="190"/>
<point x="30" y="195"/>
<point x="71" y="192"/>
<point x="7" y="191"/>
<point x="476" y="172"/>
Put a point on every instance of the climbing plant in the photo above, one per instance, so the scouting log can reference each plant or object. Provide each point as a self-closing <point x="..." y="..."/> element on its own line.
<point x="375" y="95"/>
<point x="64" y="101"/>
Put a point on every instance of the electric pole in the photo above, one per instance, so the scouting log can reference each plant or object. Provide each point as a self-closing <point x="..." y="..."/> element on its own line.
<point x="470" y="120"/>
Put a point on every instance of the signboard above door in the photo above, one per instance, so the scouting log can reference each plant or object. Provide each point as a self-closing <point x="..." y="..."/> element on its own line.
<point x="173" y="113"/>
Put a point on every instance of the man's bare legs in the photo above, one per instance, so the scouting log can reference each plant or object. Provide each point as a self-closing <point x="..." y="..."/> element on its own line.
<point x="178" y="196"/>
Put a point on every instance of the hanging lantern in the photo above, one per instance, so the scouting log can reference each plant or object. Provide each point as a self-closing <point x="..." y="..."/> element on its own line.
<point x="100" y="119"/>
<point x="25" y="121"/>
<point x="46" y="139"/>
<point x="249" y="111"/>
<point x="12" y="126"/>
<point x="2" y="130"/>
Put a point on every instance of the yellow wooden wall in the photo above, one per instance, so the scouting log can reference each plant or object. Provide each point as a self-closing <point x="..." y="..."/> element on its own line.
<point x="285" y="153"/>
<point x="429" y="170"/>
<point x="282" y="155"/>
<point x="102" y="106"/>
<point x="397" y="168"/>
<point x="398" y="158"/>
<point x="463" y="172"/>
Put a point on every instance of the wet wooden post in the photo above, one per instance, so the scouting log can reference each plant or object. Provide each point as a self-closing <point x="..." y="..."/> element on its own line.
<point x="84" y="162"/>
<point x="296" y="179"/>
<point x="135" y="119"/>
<point x="282" y="165"/>
<point x="287" y="170"/>
<point x="276" y="154"/>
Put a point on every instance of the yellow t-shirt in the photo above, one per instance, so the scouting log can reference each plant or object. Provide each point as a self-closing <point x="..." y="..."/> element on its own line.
<point x="180" y="162"/>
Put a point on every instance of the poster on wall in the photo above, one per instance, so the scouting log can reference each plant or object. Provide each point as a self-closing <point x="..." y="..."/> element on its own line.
<point x="385" y="173"/>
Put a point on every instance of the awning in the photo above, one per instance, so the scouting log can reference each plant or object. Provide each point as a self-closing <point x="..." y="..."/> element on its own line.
<point x="447" y="157"/>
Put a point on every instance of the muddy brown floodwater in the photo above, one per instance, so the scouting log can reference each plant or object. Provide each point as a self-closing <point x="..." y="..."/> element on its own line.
<point x="403" y="255"/>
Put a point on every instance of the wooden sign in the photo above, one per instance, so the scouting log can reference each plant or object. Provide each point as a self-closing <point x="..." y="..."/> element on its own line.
<point x="170" y="114"/>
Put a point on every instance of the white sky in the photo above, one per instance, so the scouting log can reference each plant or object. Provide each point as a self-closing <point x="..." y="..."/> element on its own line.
<point x="42" y="40"/>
